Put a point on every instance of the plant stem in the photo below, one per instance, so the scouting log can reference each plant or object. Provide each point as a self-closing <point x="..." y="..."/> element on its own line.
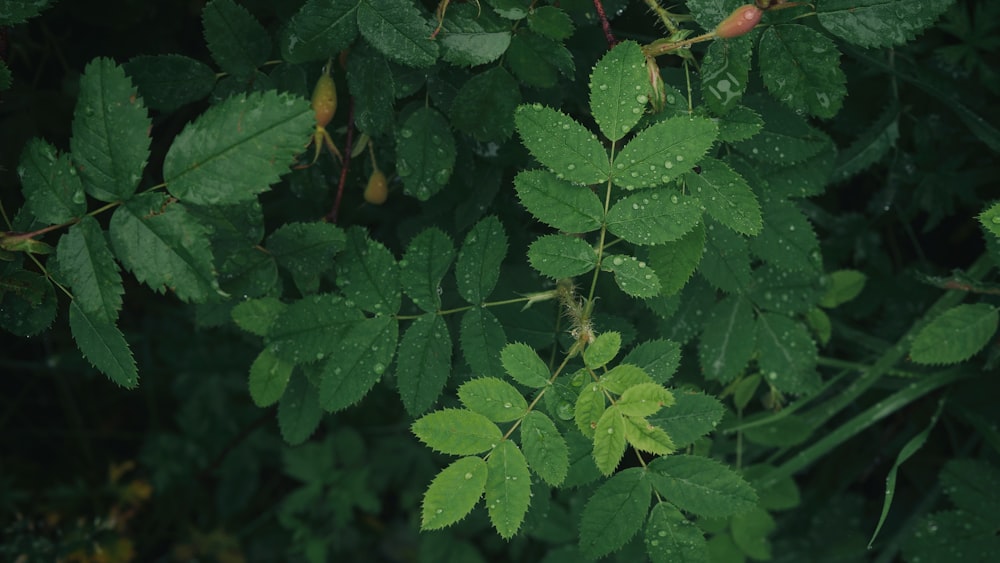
<point x="331" y="217"/>
<point x="605" y="25"/>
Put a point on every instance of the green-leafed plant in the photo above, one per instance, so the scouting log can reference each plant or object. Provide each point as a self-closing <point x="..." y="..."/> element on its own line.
<point x="494" y="266"/>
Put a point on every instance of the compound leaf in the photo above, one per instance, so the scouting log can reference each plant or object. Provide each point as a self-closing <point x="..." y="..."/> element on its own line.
<point x="567" y="148"/>
<point x="454" y="493"/>
<point x="457" y="432"/>
<point x="956" y="335"/>
<point x="701" y="485"/>
<point x="508" y="488"/>
<point x="614" y="513"/>
<point x="308" y="330"/>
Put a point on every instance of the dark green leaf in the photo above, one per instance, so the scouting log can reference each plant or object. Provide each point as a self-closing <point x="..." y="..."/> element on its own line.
<point x="479" y="260"/>
<point x="306" y="250"/>
<point x="739" y="124"/>
<point x="299" y="412"/>
<point x="788" y="241"/>
<point x="110" y="141"/>
<point x="750" y="533"/>
<point x="372" y="85"/>
<point x="784" y="291"/>
<point x="51" y="185"/>
<point x="457" y="432"/>
<point x="508" y="488"/>
<point x="692" y="416"/>
<point x="319" y="30"/>
<point x="619" y="89"/>
<point x="674" y="262"/>
<point x="728" y="340"/>
<point x="484" y="106"/>
<point x="368" y="275"/>
<point x="425" y="153"/>
<point x="482" y="337"/>
<point x="237" y="41"/>
<point x="268" y="377"/>
<point x="614" y="513"/>
<point x="786" y="139"/>
<point x="493" y="398"/>
<point x="544" y="448"/>
<point x="672" y="538"/>
<point x="658" y="358"/>
<point x="398" y="30"/>
<point x="524" y="366"/>
<point x="663" y="152"/>
<point x="537" y="60"/>
<point x="427" y="259"/>
<point x="632" y="275"/>
<point x="424" y="362"/>
<point x="725" y="72"/>
<point x="308" y="330"/>
<point x="879" y="23"/>
<point x="470" y="38"/>
<point x="801" y="67"/>
<point x="90" y="270"/>
<point x="701" y="485"/>
<point x="167" y="82"/>
<point x="726" y="196"/>
<point x="786" y="353"/>
<point x="558" y="203"/>
<point x="453" y="493"/>
<point x="654" y="216"/>
<point x="869" y="147"/>
<point x="357" y="361"/>
<point x="562" y="256"/>
<point x="257" y="316"/>
<point x="550" y="21"/>
<point x="567" y="148"/>
<point x="843" y="286"/>
<point x="956" y="335"/>
<point x="104" y="346"/>
<point x="13" y="12"/>
<point x="27" y="302"/>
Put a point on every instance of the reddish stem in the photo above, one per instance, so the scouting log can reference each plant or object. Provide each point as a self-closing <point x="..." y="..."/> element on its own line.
<point x="605" y="25"/>
<point x="331" y="217"/>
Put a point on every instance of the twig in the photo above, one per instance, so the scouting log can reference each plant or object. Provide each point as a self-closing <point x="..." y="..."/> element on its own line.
<point x="605" y="25"/>
<point x="331" y="217"/>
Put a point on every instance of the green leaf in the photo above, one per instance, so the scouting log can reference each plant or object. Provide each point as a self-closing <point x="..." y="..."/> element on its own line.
<point x="238" y="148"/>
<point x="550" y="21"/>
<point x="164" y="246"/>
<point x="269" y="375"/>
<point x="646" y="437"/>
<point x="670" y="537"/>
<point x="788" y="241"/>
<point x="782" y="495"/>
<point x="493" y="398"/>
<point x="726" y="263"/>
<point x="807" y="179"/>
<point x="709" y="13"/>
<point x="701" y="486"/>
<point x="589" y="408"/>
<point x="104" y="346"/>
<point x="544" y="448"/>
<point x="372" y="84"/>
<point x="425" y="153"/>
<point x="940" y="536"/>
<point x="663" y="152"/>
<point x="801" y="67"/>
<point x="787" y="138"/>
<point x="676" y="261"/>
<point x="739" y="124"/>
<point x="424" y="362"/>
<point x="424" y="264"/>
<point x="619" y="89"/>
<point x="237" y="41"/>
<point x="299" y="412"/>
<point x="357" y="361"/>
<point x="537" y="61"/>
<point x="524" y="366"/>
<point x="90" y="270"/>
<point x="398" y="30"/>
<point x="728" y="339"/>
<point x="567" y="148"/>
<point x="482" y="337"/>
<point x="609" y="440"/>
<point x="453" y="493"/>
<point x="508" y="488"/>
<point x="484" y="106"/>
<point x="786" y="353"/>
<point x="879" y="23"/>
<point x="956" y="335"/>
<point x="633" y="276"/>
<point x="27" y="302"/>
<point x="726" y="196"/>
<point x="623" y="376"/>
<point x="750" y="533"/>
<point x="602" y="350"/>
<point x="693" y="415"/>
<point x="50" y="183"/>
<point x="320" y="29"/>
<point x="306" y="250"/>
<point x="725" y="73"/>
<point x="654" y="216"/>
<point x="614" y="513"/>
<point x="971" y="485"/>
<point x="644" y="399"/>
<point x="308" y="330"/>
<point x="368" y="275"/>
<point x="869" y="147"/>
<point x="110" y="141"/>
<point x="457" y="432"/>
<point x="990" y="219"/>
<point x="562" y="256"/>
<point x="558" y="203"/>
<point x="657" y="358"/>
<point x="168" y="82"/>
<point x="510" y="9"/>
<point x="479" y="260"/>
<point x="843" y="286"/>
<point x="257" y="316"/>
<point x="789" y="292"/>
<point x="13" y="12"/>
<point x="471" y="39"/>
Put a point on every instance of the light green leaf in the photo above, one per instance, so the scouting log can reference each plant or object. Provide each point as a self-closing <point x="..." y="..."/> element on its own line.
<point x="558" y="203"/>
<point x="956" y="335"/>
<point x="589" y="408"/>
<point x="646" y="437"/>
<point x="567" y="148"/>
<point x="237" y="41"/>
<point x="299" y="412"/>
<point x="633" y="276"/>
<point x="726" y="263"/>
<point x="493" y="398"/>
<point x="726" y="196"/>
<point x="482" y="337"/>
<point x="657" y="358"/>
<point x="654" y="216"/>
<point x="306" y="250"/>
<point x="424" y="264"/>
<point x="371" y="82"/>
<point x="164" y="247"/>
<point x="508" y="488"/>
<point x="990" y="219"/>
<point x="562" y="256"/>
<point x="537" y="61"/>
<point x="308" y="330"/>
<point x="728" y="339"/>
<point x="268" y="377"/>
<point x="524" y="366"/>
<point x="457" y="432"/>
<point x="725" y="73"/>
<point x="484" y="106"/>
<point x="357" y="361"/>
<point x="398" y="30"/>
<point x="644" y="399"/>
<point x="663" y="152"/>
<point x="843" y="286"/>
<point x="619" y="89"/>
<point x="167" y="82"/>
<point x="453" y="493"/>
<point x="424" y="362"/>
<point x="623" y="376"/>
<point x="609" y="440"/>
<point x="788" y="241"/>
<point x="257" y="316"/>
<point x="318" y="30"/>
<point x="869" y="147"/>
<point x="879" y="23"/>
<point x="469" y="38"/>
<point x="90" y="270"/>
<point x="602" y="350"/>
<point x="544" y="448"/>
<point x="510" y="9"/>
<point x="238" y="148"/>
<point x="693" y="415"/>
<point x="550" y="21"/>
<point x="425" y="153"/>
<point x="701" y="486"/>
<point x="479" y="260"/>
<point x="104" y="346"/>
<point x="670" y="537"/>
<point x="50" y="183"/>
<point x="614" y="513"/>
<point x="110" y="141"/>
<point x="801" y="68"/>
<point x="368" y="275"/>
<point x="676" y="261"/>
<point x="786" y="353"/>
<point x="787" y="138"/>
